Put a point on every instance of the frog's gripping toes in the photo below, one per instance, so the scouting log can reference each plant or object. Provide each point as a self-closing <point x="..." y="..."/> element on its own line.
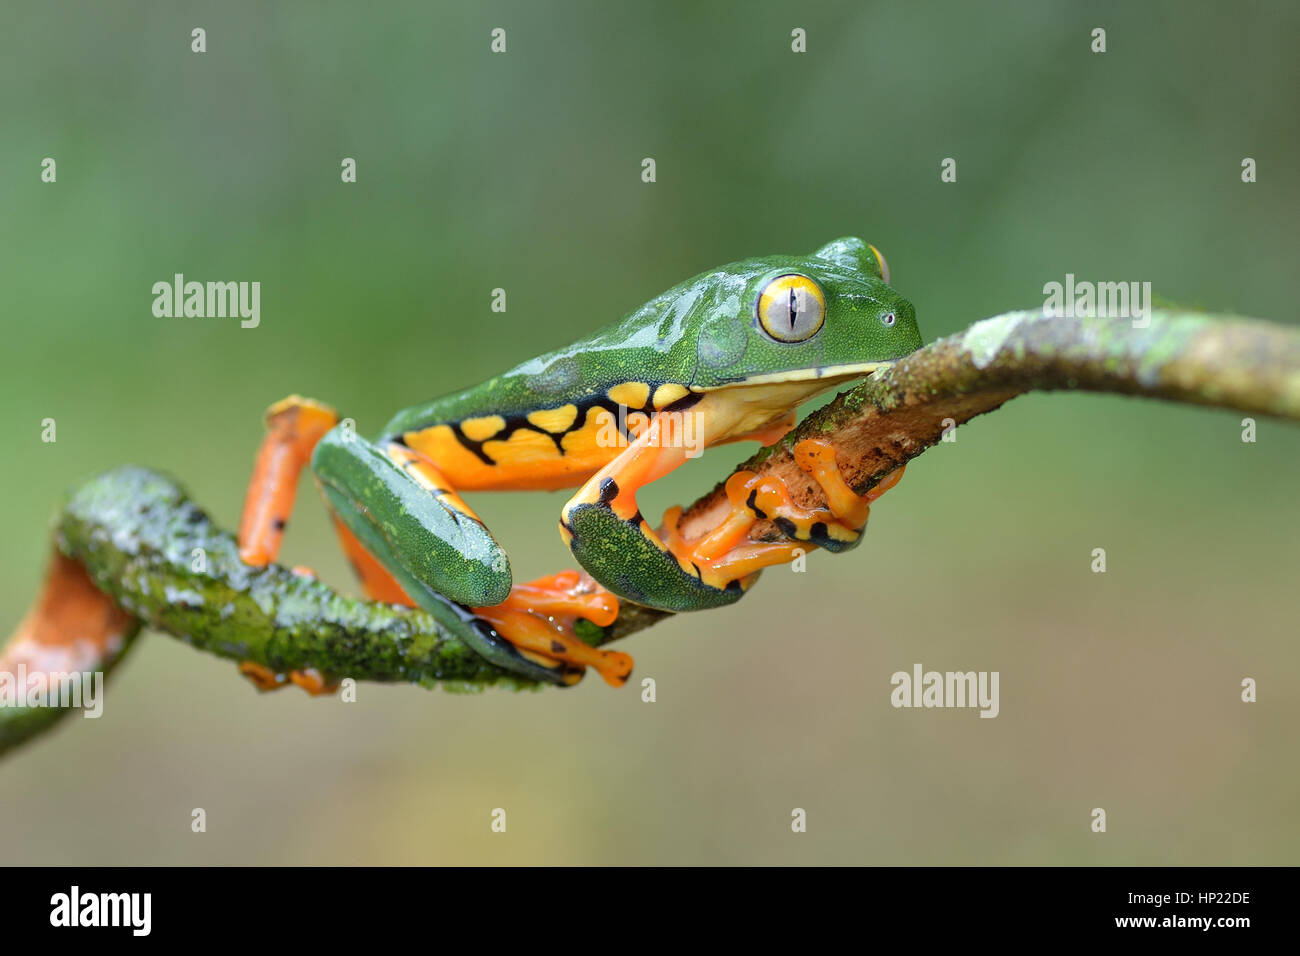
<point x="727" y="356"/>
<point x="540" y="617"/>
<point x="672" y="573"/>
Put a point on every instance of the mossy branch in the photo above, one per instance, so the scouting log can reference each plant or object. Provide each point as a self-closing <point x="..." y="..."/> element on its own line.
<point x="163" y="561"/>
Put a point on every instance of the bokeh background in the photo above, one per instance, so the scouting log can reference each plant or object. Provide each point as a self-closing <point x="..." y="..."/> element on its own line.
<point x="522" y="171"/>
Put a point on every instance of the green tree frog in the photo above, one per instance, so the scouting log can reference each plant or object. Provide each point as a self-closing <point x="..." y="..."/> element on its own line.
<point x="726" y="356"/>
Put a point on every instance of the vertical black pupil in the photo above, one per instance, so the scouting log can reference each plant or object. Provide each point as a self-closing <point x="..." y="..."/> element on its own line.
<point x="794" y="308"/>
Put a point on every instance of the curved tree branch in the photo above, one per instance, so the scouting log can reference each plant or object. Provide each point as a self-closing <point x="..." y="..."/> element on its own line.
<point x="165" y="564"/>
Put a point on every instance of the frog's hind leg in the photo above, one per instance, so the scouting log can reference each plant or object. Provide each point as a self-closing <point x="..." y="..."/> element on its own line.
<point x="294" y="425"/>
<point x="537" y="618"/>
<point x="400" y="510"/>
<point x="540" y="617"/>
<point x="376" y="581"/>
<point x="414" y="540"/>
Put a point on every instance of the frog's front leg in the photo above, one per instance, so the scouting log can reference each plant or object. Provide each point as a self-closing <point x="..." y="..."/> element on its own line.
<point x="727" y="551"/>
<point x="605" y="530"/>
<point x="662" y="569"/>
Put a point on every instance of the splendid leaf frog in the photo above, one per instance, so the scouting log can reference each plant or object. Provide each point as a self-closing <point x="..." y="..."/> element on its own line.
<point x="726" y="356"/>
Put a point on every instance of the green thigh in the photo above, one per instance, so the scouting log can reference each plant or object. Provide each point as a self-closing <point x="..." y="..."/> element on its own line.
<point x="446" y="560"/>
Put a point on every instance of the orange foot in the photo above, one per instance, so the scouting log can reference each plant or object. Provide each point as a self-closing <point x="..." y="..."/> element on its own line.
<point x="726" y="554"/>
<point x="309" y="679"/>
<point x="538" y="618"/>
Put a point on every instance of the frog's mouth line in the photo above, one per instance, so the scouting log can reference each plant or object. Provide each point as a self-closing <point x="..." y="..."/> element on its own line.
<point x="828" y="374"/>
<point x="755" y="405"/>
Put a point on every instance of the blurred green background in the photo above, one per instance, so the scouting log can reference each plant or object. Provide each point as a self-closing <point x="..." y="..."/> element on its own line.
<point x="522" y="171"/>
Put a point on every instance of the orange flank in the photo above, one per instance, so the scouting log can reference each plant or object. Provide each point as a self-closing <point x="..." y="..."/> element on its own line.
<point x="429" y="477"/>
<point x="526" y="460"/>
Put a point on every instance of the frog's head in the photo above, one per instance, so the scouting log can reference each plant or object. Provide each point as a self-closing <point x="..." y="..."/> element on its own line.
<point x="822" y="318"/>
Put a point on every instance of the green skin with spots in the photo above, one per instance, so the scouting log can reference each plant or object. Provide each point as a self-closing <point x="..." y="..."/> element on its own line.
<point x="704" y="334"/>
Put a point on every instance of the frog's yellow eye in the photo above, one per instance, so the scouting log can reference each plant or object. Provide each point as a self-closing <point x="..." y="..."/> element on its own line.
<point x="791" y="308"/>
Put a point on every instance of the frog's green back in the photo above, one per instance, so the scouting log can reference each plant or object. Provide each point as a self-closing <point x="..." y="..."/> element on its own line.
<point x="700" y="334"/>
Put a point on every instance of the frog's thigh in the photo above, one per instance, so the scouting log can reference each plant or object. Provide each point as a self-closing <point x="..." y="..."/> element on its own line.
<point x="606" y="532"/>
<point x="391" y="500"/>
<point x="396" y="512"/>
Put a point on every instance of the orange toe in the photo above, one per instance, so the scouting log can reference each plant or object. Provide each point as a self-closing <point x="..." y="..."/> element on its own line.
<point x="261" y="676"/>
